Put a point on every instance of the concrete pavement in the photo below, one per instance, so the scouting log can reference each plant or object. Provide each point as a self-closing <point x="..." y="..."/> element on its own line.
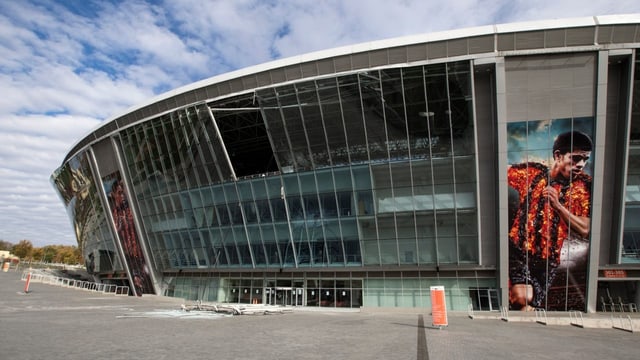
<point x="52" y="322"/>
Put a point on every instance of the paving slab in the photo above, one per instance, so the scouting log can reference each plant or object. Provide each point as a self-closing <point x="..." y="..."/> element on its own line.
<point x="52" y="322"/>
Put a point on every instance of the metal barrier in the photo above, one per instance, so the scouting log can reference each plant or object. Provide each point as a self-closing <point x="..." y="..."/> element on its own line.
<point x="575" y="320"/>
<point x="37" y="276"/>
<point x="504" y="313"/>
<point x="541" y="316"/>
<point x="622" y="327"/>
<point x="122" y="290"/>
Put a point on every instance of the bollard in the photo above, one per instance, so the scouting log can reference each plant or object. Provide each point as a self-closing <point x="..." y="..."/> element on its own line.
<point x="26" y="285"/>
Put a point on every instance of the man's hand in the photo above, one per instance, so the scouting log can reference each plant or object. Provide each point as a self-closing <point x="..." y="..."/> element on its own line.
<point x="553" y="196"/>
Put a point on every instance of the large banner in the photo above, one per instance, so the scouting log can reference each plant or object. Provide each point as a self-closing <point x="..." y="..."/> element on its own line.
<point x="127" y="234"/>
<point x="549" y="177"/>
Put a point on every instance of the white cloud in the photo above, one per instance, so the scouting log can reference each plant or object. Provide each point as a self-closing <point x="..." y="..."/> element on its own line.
<point x="66" y="66"/>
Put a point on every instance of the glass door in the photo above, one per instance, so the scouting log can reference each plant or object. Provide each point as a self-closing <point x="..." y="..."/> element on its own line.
<point x="282" y="296"/>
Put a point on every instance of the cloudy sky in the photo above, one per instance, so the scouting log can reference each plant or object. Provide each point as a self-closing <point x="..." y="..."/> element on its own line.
<point x="67" y="65"/>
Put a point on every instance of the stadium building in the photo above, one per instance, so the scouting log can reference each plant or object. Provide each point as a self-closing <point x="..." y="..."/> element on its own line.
<point x="501" y="162"/>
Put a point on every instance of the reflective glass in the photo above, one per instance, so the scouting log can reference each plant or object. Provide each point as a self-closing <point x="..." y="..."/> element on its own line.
<point x="313" y="123"/>
<point x="388" y="251"/>
<point x="74" y="182"/>
<point x="373" y="109"/>
<point x="332" y="116"/>
<point x="349" y="92"/>
<point x="394" y="113"/>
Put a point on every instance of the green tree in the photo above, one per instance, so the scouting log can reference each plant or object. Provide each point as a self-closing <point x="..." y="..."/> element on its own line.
<point x="23" y="249"/>
<point x="49" y="253"/>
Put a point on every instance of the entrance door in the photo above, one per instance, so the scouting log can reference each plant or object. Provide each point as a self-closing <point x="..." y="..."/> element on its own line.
<point x="284" y="296"/>
<point x="279" y="296"/>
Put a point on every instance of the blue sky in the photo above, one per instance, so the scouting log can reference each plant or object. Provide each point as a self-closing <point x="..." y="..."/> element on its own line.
<point x="66" y="66"/>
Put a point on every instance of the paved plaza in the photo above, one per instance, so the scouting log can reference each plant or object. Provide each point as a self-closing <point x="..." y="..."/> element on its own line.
<point x="52" y="322"/>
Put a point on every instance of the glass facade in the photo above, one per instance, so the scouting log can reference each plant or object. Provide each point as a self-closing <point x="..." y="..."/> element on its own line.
<point x="79" y="193"/>
<point x="362" y="180"/>
<point x="358" y="186"/>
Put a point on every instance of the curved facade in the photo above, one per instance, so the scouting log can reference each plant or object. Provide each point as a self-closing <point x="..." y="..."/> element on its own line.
<point x="362" y="176"/>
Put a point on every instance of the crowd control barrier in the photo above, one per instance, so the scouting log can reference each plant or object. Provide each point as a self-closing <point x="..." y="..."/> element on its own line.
<point x="37" y="276"/>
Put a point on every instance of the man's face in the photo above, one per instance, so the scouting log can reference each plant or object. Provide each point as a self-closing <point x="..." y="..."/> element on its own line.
<point x="572" y="163"/>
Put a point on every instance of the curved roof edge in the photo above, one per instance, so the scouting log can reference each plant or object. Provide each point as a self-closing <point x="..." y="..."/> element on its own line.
<point x="376" y="45"/>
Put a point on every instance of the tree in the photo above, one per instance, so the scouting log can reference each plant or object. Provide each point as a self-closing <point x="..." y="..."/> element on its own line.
<point x="67" y="255"/>
<point x="63" y="254"/>
<point x="49" y="253"/>
<point x="5" y="245"/>
<point x="23" y="249"/>
<point x="37" y="254"/>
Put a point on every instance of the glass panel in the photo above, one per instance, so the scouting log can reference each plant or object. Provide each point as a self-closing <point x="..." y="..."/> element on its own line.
<point x="292" y="117"/>
<point x="276" y="128"/>
<point x="312" y="118"/>
<point x="461" y="105"/>
<point x="244" y="190"/>
<point x="250" y="213"/>
<point x="388" y="245"/>
<point x="374" y="114"/>
<point x="325" y="181"/>
<point x="345" y="204"/>
<point x="284" y="244"/>
<point x="425" y="224"/>
<point x="361" y="177"/>
<point x="307" y="183"/>
<point x="351" y="241"/>
<point x="263" y="211"/>
<point x="447" y="252"/>
<point x="419" y="116"/>
<point x="328" y="205"/>
<point x="342" y="178"/>
<point x="256" y="245"/>
<point x="438" y="108"/>
<point x="295" y="208"/>
<point x="270" y="244"/>
<point x="365" y="203"/>
<point x="468" y="249"/>
<point x="370" y="250"/>
<point x="333" y="121"/>
<point x="352" y="111"/>
<point x="394" y="110"/>
<point x="259" y="189"/>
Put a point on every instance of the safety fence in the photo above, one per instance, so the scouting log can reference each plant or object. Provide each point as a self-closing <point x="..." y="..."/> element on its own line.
<point x="45" y="278"/>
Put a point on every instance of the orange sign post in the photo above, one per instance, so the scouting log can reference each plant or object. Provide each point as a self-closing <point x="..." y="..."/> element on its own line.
<point x="26" y="284"/>
<point x="438" y="307"/>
